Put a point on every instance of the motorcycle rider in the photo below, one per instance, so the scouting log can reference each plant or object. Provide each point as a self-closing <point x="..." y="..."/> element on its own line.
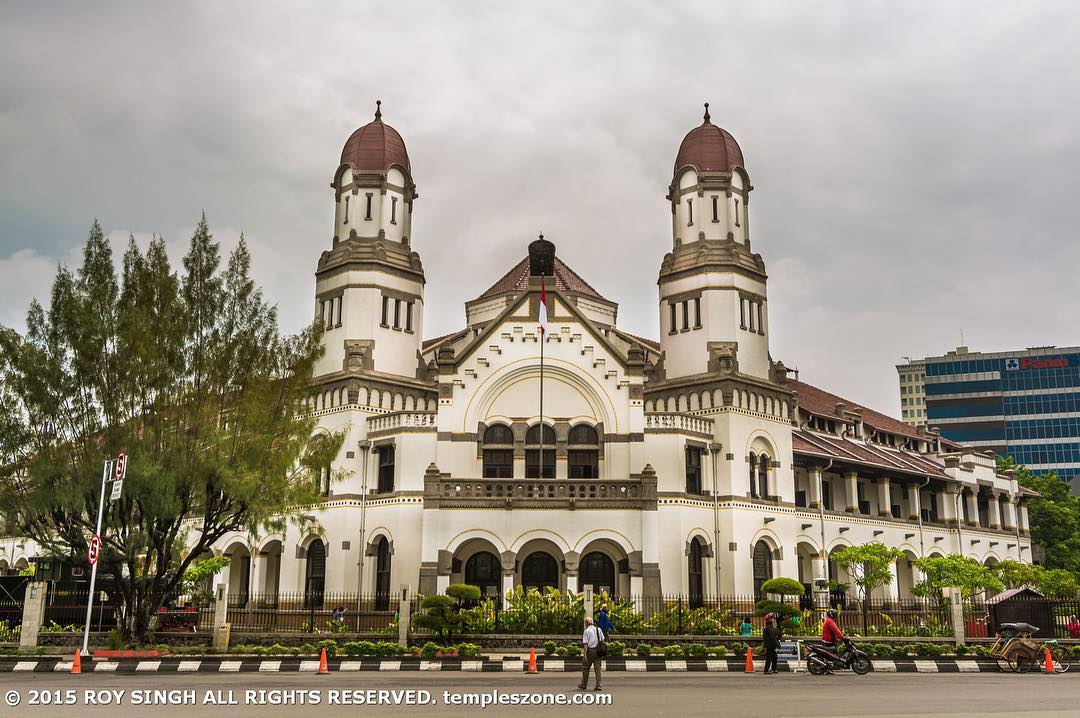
<point x="831" y="635"/>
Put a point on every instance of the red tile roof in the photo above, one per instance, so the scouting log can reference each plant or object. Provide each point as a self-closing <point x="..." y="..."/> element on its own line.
<point x="820" y="402"/>
<point x="375" y="146"/>
<point x="517" y="280"/>
<point x="808" y="443"/>
<point x="709" y="149"/>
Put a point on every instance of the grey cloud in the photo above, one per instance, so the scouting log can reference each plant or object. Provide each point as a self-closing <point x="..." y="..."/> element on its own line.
<point x="913" y="162"/>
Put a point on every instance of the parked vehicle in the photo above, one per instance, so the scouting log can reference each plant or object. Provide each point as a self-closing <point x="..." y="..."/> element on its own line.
<point x="820" y="659"/>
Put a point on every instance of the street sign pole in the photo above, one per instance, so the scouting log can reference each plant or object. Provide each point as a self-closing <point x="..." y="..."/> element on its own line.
<point x="93" y="568"/>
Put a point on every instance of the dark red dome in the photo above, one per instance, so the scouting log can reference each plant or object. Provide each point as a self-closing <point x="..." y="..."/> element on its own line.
<point x="375" y="146"/>
<point x="709" y="148"/>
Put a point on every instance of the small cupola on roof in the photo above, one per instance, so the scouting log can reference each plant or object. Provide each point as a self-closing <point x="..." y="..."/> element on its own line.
<point x="375" y="147"/>
<point x="708" y="148"/>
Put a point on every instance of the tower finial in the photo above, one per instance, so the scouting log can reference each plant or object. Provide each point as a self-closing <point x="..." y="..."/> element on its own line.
<point x="707" y="115"/>
<point x="541" y="234"/>
<point x="378" y="109"/>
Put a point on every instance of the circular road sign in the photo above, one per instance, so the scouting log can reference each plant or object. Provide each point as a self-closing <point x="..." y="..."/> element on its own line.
<point x="93" y="549"/>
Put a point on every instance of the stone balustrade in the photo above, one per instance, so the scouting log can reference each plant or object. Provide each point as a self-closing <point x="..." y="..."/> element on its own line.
<point x="683" y="423"/>
<point x="638" y="491"/>
<point x="402" y="420"/>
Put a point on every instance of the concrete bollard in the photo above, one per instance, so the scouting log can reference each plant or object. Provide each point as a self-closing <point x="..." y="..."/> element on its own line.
<point x="222" y="629"/>
<point x="956" y="606"/>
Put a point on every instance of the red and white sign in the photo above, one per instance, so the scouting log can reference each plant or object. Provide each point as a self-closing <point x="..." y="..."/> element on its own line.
<point x="93" y="549"/>
<point x="121" y="467"/>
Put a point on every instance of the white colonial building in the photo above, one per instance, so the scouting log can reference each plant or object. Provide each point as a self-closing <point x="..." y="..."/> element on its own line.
<point x="691" y="465"/>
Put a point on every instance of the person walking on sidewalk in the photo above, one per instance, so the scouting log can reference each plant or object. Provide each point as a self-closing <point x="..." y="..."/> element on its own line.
<point x="772" y="637"/>
<point x="590" y="642"/>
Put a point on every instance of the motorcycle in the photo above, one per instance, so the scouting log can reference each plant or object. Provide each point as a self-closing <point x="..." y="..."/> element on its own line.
<point x="820" y="660"/>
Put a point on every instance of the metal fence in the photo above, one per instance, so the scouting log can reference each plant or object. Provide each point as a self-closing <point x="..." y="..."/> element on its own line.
<point x="313" y="613"/>
<point x="65" y="610"/>
<point x="1053" y="617"/>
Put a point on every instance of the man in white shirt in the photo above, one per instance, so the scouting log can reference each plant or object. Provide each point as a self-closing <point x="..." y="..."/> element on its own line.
<point x="590" y="639"/>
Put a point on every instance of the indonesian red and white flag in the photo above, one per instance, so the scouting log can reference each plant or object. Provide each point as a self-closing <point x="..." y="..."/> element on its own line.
<point x="543" y="309"/>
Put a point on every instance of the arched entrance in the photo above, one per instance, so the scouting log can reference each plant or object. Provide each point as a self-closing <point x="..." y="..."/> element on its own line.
<point x="763" y="569"/>
<point x="540" y="570"/>
<point x="596" y="569"/>
<point x="695" y="574"/>
<point x="382" y="574"/>
<point x="315" y="575"/>
<point x="482" y="570"/>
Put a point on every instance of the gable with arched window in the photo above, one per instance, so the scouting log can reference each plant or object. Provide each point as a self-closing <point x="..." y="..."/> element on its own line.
<point x="498" y="452"/>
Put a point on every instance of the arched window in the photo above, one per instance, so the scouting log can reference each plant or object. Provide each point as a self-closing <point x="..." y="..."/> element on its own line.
<point x="535" y="444"/>
<point x="540" y="570"/>
<point x="498" y="452"/>
<point x="583" y="453"/>
<point x="597" y="570"/>
<point x="753" y="475"/>
<point x="695" y="574"/>
<point x="315" y="578"/>
<point x="482" y="570"/>
<point x="763" y="476"/>
<point x="382" y="575"/>
<point x="762" y="565"/>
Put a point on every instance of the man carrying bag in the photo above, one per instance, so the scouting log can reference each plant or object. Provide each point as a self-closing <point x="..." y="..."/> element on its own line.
<point x="593" y="648"/>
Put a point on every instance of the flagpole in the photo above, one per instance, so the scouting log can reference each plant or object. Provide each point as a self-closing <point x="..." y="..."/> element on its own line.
<point x="543" y="341"/>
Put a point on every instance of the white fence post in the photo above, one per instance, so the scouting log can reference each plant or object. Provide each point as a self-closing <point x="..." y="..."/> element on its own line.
<point x="404" y="616"/>
<point x="33" y="613"/>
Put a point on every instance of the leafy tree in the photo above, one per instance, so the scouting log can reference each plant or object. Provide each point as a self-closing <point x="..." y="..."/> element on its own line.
<point x="442" y="614"/>
<point x="869" y="567"/>
<point x="784" y="587"/>
<point x="1054" y="516"/>
<point x="957" y="571"/>
<point x="187" y="372"/>
<point x="198" y="574"/>
<point x="1016" y="574"/>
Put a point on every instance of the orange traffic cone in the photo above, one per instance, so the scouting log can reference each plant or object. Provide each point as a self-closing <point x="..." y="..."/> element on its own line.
<point x="749" y="661"/>
<point x="323" y="668"/>
<point x="532" y="660"/>
<point x="76" y="665"/>
<point x="1048" y="662"/>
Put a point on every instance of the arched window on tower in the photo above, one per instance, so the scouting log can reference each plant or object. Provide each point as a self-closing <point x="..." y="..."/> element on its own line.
<point x="498" y="452"/>
<point x="583" y="453"/>
<point x="763" y="568"/>
<point x="753" y="475"/>
<point x="315" y="575"/>
<point x="540" y="452"/>
<point x="763" y="476"/>
<point x="695" y="574"/>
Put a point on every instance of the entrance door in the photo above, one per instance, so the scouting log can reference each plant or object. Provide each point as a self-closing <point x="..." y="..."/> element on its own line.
<point x="540" y="570"/>
<point x="597" y="570"/>
<point x="482" y="570"/>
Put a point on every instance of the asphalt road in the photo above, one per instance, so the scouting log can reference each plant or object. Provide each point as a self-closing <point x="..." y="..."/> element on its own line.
<point x="633" y="694"/>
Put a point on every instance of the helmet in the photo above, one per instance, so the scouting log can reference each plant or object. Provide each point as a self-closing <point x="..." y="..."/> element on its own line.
<point x="833" y="613"/>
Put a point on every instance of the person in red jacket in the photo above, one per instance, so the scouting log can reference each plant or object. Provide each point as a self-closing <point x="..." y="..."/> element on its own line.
<point x="831" y="634"/>
<point x="1073" y="628"/>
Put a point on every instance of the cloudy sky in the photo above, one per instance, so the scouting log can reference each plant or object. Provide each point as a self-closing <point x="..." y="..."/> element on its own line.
<point x="915" y="164"/>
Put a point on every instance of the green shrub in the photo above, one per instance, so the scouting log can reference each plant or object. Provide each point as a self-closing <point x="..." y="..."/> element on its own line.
<point x="351" y="648"/>
<point x="306" y="649"/>
<point x="469" y="649"/>
<point x="674" y="650"/>
<point x="1075" y="652"/>
<point x="261" y="650"/>
<point x="925" y="649"/>
<point x="330" y="645"/>
<point x="615" y="648"/>
<point x="979" y="651"/>
<point x="644" y="649"/>
<point x="277" y="649"/>
<point x="573" y="650"/>
<point x="115" y="640"/>
<point x="881" y="650"/>
<point x="962" y="649"/>
<point x="739" y="648"/>
<point x="718" y="651"/>
<point x="550" y="647"/>
<point x="429" y="650"/>
<point x="696" y="649"/>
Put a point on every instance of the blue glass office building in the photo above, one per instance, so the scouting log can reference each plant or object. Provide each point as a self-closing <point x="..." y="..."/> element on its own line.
<point x="1022" y="404"/>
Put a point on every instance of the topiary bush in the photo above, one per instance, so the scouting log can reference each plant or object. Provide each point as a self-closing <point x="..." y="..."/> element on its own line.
<point x="615" y="648"/>
<point x="644" y="649"/>
<point x="550" y="647"/>
<point x="330" y="645"/>
<point x="307" y="649"/>
<point x="673" y="650"/>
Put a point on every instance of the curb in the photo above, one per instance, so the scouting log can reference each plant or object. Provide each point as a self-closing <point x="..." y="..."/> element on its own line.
<point x="486" y="665"/>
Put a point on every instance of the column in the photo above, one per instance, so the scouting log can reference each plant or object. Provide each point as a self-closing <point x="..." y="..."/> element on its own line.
<point x="947" y="504"/>
<point x="892" y="589"/>
<point x="257" y="576"/>
<point x="570" y="561"/>
<point x="1022" y="513"/>
<point x="1010" y="515"/>
<point x="884" y="498"/>
<point x="851" y="491"/>
<point x="508" y="562"/>
<point x="914" y="493"/>
<point x="814" y="475"/>
<point x="33" y="613"/>
<point x="995" y="512"/>
<point x="972" y="502"/>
